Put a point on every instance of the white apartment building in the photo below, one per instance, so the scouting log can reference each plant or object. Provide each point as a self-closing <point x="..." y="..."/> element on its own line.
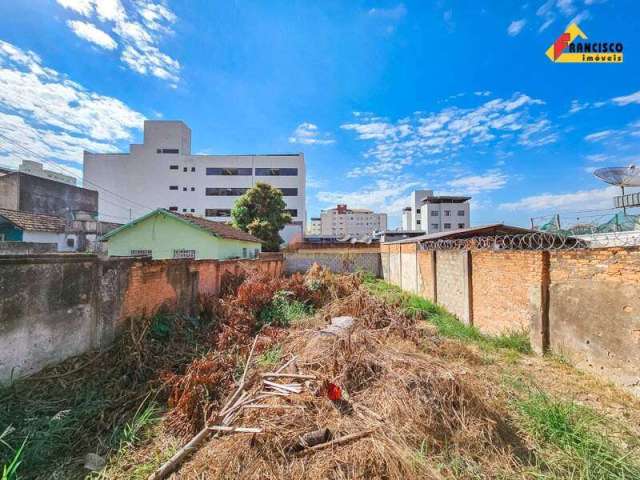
<point x="443" y="213"/>
<point x="315" y="226"/>
<point x="343" y="221"/>
<point x="411" y="216"/>
<point x="36" y="169"/>
<point x="432" y="214"/>
<point x="162" y="172"/>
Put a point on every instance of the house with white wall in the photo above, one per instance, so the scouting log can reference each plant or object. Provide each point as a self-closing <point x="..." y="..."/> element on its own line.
<point x="27" y="227"/>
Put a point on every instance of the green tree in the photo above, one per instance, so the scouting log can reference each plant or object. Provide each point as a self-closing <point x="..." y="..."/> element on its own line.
<point x="261" y="211"/>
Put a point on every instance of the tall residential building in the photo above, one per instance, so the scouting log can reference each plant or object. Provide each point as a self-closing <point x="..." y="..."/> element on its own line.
<point x="411" y="216"/>
<point x="162" y="172"/>
<point x="431" y="214"/>
<point x="35" y="168"/>
<point x="343" y="221"/>
<point x="315" y="226"/>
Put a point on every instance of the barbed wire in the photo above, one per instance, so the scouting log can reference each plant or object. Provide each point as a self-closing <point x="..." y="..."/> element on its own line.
<point x="536" y="241"/>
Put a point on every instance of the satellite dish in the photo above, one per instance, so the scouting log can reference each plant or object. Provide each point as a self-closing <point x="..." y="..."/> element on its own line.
<point x="620" y="176"/>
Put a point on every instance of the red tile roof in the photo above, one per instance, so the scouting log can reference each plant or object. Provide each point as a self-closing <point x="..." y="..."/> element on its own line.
<point x="33" y="222"/>
<point x="220" y="229"/>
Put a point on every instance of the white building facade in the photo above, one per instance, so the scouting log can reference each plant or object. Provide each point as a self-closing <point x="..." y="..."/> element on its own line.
<point x="444" y="213"/>
<point x="162" y="173"/>
<point x="314" y="227"/>
<point x="343" y="221"/>
<point x="432" y="214"/>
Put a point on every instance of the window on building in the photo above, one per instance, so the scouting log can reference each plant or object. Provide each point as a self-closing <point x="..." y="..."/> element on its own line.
<point x="417" y="210"/>
<point x="174" y="167"/>
<point x="225" y="192"/>
<point x="193" y="169"/>
<point x="184" y="253"/>
<point x="71" y="242"/>
<point x="184" y="169"/>
<point x="173" y="209"/>
<point x="217" y="212"/>
<point x="417" y="222"/>
<point x="434" y="226"/>
<point x="184" y="189"/>
<point x="461" y="213"/>
<point x="173" y="187"/>
<point x="256" y="252"/>
<point x="193" y="189"/>
<point x="289" y="192"/>
<point x="292" y="211"/>
<point x="447" y="213"/>
<point x="434" y="213"/>
<point x="141" y="253"/>
<point x="193" y="210"/>
<point x="167" y="150"/>
<point x="276" y="172"/>
<point x="461" y="225"/>
<point x="447" y="225"/>
<point x="228" y="171"/>
<point x="184" y="210"/>
<point x="244" y="253"/>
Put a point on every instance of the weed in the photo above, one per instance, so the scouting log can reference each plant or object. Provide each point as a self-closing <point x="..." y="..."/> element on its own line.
<point x="134" y="429"/>
<point x="585" y="452"/>
<point x="10" y="469"/>
<point x="283" y="310"/>
<point x="270" y="357"/>
<point x="447" y="324"/>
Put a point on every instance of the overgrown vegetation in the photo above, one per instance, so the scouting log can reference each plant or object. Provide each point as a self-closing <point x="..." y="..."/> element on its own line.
<point x="446" y="323"/>
<point x="283" y="310"/>
<point x="585" y="452"/>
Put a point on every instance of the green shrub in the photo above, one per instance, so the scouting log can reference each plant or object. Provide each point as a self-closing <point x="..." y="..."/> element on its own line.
<point x="283" y="310"/>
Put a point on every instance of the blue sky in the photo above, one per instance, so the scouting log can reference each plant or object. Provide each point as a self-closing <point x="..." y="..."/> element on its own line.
<point x="382" y="96"/>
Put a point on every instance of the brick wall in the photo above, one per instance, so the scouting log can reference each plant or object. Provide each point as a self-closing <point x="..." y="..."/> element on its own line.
<point x="507" y="290"/>
<point x="594" y="311"/>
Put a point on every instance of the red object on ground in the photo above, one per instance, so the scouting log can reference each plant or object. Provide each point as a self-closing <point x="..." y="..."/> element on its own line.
<point x="334" y="392"/>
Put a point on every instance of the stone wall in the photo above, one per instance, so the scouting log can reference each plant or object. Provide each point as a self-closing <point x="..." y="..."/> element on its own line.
<point x="342" y="261"/>
<point x="56" y="306"/>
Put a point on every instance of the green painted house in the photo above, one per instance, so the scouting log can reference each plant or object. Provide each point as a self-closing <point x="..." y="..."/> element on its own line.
<point x="162" y="234"/>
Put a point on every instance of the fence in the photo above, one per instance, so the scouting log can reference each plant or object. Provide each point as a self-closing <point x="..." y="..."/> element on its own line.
<point x="344" y="260"/>
<point x="577" y="302"/>
<point x="56" y="306"/>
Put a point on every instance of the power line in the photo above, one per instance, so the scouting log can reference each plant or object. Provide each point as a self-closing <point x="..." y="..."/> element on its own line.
<point x="49" y="162"/>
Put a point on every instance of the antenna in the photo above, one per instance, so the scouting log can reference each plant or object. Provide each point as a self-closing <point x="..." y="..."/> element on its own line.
<point x="621" y="177"/>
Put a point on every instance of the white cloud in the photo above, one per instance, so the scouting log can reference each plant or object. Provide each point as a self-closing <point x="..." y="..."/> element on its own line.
<point x="579" y="18"/>
<point x="566" y="7"/>
<point x="516" y="27"/>
<point x="598" y="157"/>
<point x="53" y="116"/>
<point x="596" y="198"/>
<point x="83" y="7"/>
<point x="308" y="134"/>
<point x="493" y="180"/>
<point x="140" y="27"/>
<point x="393" y="13"/>
<point x="627" y="99"/>
<point x="597" y="136"/>
<point x="483" y="93"/>
<point x="91" y="33"/>
<point x="427" y="136"/>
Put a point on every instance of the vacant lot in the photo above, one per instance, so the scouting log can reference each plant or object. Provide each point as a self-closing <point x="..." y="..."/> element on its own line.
<point x="420" y="395"/>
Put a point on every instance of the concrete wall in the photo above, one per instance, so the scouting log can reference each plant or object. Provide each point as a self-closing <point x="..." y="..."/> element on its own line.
<point x="581" y="304"/>
<point x="41" y="195"/>
<point x="594" y="311"/>
<point x="26" y="248"/>
<point x="9" y="191"/>
<point x="55" y="306"/>
<point x="452" y="280"/>
<point x="338" y="261"/>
